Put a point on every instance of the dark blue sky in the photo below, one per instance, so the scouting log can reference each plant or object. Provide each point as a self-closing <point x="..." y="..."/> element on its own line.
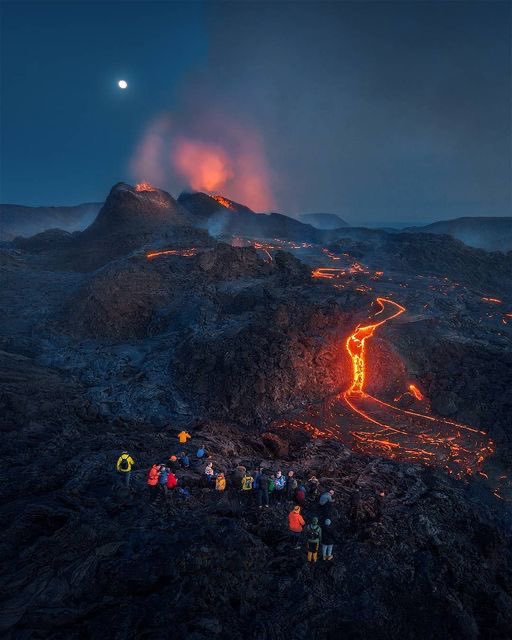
<point x="380" y="111"/>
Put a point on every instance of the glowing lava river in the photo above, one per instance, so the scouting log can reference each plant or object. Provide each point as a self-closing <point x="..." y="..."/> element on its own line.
<point x="372" y="426"/>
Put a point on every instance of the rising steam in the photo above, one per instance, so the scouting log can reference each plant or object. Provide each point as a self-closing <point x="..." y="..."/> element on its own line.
<point x="209" y="153"/>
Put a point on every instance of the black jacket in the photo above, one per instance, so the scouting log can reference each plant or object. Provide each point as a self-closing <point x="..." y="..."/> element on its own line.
<point x="327" y="534"/>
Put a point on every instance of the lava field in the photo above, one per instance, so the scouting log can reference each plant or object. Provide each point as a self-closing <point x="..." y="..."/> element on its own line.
<point x="380" y="362"/>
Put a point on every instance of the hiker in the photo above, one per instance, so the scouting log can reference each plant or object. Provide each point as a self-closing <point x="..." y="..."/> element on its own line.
<point x="124" y="467"/>
<point x="173" y="463"/>
<point x="256" y="475"/>
<point x="172" y="480"/>
<point x="220" y="482"/>
<point x="201" y="452"/>
<point x="300" y="495"/>
<point x="326" y="500"/>
<point x="237" y="474"/>
<point x="271" y="485"/>
<point x="209" y="472"/>
<point x="183" y="436"/>
<point x="280" y="483"/>
<point x="291" y="485"/>
<point x="246" y="487"/>
<point x="247" y="482"/>
<point x="163" y="474"/>
<point x="295" y="524"/>
<point x="262" y="490"/>
<point x="313" y="537"/>
<point x="327" y="540"/>
<point x="153" y="483"/>
<point x="184" y="460"/>
<point x="313" y="484"/>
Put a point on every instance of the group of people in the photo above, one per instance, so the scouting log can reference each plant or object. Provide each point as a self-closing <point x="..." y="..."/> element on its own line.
<point x="314" y="533"/>
<point x="261" y="486"/>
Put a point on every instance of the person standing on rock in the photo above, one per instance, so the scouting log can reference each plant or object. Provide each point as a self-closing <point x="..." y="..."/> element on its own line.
<point x="262" y="491"/>
<point x="291" y="486"/>
<point x="163" y="474"/>
<point x="247" y="482"/>
<point x="153" y="483"/>
<point x="313" y="537"/>
<point x="313" y="486"/>
<point x="124" y="466"/>
<point x="209" y="472"/>
<point x="280" y="484"/>
<point x="325" y="502"/>
<point x="300" y="495"/>
<point x="172" y="481"/>
<point x="220" y="482"/>
<point x="295" y="524"/>
<point x="327" y="540"/>
<point x="183" y="436"/>
<point x="184" y="460"/>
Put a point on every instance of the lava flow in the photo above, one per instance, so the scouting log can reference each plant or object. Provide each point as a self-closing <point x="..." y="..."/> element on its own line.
<point x="185" y="253"/>
<point x="373" y="426"/>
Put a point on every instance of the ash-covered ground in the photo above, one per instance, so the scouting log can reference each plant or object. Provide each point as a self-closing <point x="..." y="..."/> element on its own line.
<point x="198" y="313"/>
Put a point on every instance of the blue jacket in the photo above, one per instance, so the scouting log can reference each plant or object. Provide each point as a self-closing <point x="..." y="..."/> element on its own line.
<point x="162" y="478"/>
<point x="280" y="482"/>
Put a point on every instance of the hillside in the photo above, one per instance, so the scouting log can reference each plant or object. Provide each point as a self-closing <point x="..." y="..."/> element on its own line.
<point x="491" y="234"/>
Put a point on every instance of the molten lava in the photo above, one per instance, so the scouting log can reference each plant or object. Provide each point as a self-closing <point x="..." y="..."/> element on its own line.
<point x="416" y="392"/>
<point x="355" y="343"/>
<point x="374" y="426"/>
<point x="144" y="186"/>
<point x="184" y="253"/>
<point x="224" y="202"/>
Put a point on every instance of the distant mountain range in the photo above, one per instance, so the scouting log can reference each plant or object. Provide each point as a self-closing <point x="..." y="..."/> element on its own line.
<point x="323" y="220"/>
<point x="492" y="234"/>
<point x="221" y="216"/>
<point x="20" y="220"/>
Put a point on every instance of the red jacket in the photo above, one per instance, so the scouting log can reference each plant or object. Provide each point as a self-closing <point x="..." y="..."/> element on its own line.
<point x="172" y="481"/>
<point x="153" y="476"/>
<point x="295" y="521"/>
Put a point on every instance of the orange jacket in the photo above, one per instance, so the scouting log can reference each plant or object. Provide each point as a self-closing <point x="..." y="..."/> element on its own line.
<point x="220" y="483"/>
<point x="183" y="436"/>
<point x="295" y="521"/>
<point x="153" y="476"/>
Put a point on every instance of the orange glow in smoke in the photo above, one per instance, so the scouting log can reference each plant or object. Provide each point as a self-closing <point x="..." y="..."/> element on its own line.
<point x="205" y="166"/>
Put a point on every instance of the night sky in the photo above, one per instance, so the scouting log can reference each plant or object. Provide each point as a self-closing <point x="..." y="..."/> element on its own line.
<point x="381" y="112"/>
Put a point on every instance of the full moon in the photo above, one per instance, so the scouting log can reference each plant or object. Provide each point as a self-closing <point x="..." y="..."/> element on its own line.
<point x="122" y="84"/>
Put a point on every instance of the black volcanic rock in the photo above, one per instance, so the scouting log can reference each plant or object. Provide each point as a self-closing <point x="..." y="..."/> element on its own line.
<point x="323" y="220"/>
<point x="203" y="206"/>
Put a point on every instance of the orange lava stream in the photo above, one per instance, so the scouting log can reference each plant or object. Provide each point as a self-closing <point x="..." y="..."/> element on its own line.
<point x="185" y="253"/>
<point x="355" y="344"/>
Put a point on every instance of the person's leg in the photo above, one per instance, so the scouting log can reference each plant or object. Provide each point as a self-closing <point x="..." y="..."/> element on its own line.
<point x="310" y="556"/>
<point x="329" y="552"/>
<point x="324" y="552"/>
<point x="260" y="495"/>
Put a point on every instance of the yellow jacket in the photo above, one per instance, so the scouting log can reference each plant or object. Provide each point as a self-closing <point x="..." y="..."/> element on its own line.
<point x="130" y="461"/>
<point x="220" y="483"/>
<point x="183" y="436"/>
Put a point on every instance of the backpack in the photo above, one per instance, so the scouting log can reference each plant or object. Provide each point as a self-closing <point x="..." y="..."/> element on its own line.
<point x="124" y="465"/>
<point x="247" y="483"/>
